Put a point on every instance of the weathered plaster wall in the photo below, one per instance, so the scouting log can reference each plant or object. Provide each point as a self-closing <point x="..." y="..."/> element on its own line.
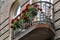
<point x="57" y="16"/>
<point x="5" y="6"/>
<point x="4" y="18"/>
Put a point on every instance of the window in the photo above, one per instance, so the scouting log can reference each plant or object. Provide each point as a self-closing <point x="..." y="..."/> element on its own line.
<point x="30" y="1"/>
<point x="17" y="11"/>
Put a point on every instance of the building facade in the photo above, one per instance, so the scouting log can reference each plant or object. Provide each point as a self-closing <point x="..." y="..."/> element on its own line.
<point x="7" y="9"/>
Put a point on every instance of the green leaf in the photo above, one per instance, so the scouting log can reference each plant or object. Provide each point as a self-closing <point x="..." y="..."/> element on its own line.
<point x="27" y="14"/>
<point x="15" y="24"/>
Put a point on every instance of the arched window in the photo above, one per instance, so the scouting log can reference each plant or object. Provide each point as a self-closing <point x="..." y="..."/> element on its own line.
<point x="17" y="10"/>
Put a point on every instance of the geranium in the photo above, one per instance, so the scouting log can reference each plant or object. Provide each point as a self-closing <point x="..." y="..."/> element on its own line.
<point x="27" y="5"/>
<point x="12" y="26"/>
<point x="17" y="19"/>
<point x="36" y="5"/>
<point x="42" y="12"/>
<point x="12" y="20"/>
<point x="19" y="14"/>
<point x="24" y="17"/>
<point x="26" y="8"/>
<point x="24" y="11"/>
<point x="40" y="9"/>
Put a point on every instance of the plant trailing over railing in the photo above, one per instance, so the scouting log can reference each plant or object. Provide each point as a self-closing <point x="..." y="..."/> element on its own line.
<point x="23" y="20"/>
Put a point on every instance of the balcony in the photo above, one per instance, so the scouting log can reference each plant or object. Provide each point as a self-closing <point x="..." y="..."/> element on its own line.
<point x="40" y="12"/>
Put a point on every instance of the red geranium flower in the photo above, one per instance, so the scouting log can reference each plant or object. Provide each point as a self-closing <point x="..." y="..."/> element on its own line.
<point x="31" y="24"/>
<point x="17" y="19"/>
<point x="19" y="14"/>
<point x="42" y="12"/>
<point x="24" y="17"/>
<point x="11" y="26"/>
<point x="36" y="5"/>
<point x="12" y="20"/>
<point x="40" y="9"/>
<point x="27" y="5"/>
<point x="26" y="8"/>
<point x="24" y="11"/>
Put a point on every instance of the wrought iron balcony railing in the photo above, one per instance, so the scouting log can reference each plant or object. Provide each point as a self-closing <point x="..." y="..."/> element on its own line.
<point x="44" y="14"/>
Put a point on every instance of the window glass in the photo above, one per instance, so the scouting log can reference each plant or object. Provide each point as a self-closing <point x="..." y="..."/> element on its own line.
<point x="17" y="11"/>
<point x="30" y="1"/>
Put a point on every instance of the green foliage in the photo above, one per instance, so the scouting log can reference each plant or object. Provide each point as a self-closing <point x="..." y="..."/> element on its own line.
<point x="27" y="14"/>
<point x="15" y="24"/>
<point x="32" y="11"/>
